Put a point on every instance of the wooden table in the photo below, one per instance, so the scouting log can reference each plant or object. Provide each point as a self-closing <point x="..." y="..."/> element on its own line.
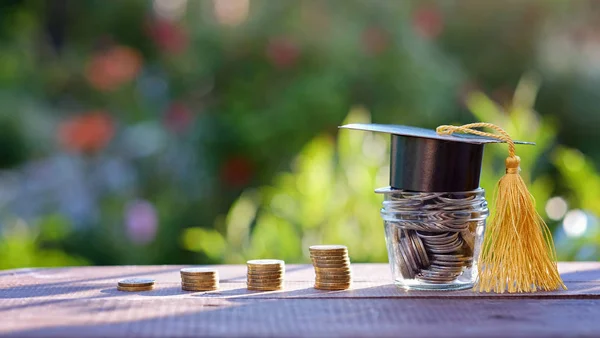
<point x="84" y="302"/>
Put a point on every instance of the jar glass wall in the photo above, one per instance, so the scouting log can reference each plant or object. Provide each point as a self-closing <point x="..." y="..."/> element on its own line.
<point x="434" y="239"/>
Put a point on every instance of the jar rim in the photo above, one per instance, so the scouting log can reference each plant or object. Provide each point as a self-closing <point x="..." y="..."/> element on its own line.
<point x="389" y="189"/>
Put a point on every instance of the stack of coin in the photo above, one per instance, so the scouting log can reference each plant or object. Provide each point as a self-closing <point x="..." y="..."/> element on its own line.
<point x="265" y="274"/>
<point x="332" y="267"/>
<point x="135" y="284"/>
<point x="199" y="279"/>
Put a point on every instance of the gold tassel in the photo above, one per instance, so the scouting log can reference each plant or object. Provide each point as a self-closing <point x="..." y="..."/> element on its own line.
<point x="518" y="253"/>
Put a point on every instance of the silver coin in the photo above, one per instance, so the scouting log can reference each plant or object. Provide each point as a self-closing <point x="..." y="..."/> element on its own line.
<point x="407" y="259"/>
<point x="411" y="248"/>
<point x="420" y="248"/>
<point x="434" y="279"/>
<point x="450" y="258"/>
<point x="408" y="255"/>
<point x="446" y="269"/>
<point x="405" y="270"/>
<point x="399" y="261"/>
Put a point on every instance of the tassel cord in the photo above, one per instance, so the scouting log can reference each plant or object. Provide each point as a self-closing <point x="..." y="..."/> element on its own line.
<point x="518" y="254"/>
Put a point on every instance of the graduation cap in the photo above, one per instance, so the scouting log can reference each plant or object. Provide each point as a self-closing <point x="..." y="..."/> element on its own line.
<point x="518" y="252"/>
<point x="425" y="161"/>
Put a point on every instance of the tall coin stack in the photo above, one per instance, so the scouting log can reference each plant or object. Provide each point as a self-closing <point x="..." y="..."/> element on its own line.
<point x="332" y="267"/>
<point x="265" y="274"/>
<point x="199" y="279"/>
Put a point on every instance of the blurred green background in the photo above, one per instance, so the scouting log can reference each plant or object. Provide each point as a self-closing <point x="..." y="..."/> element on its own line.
<point x="205" y="131"/>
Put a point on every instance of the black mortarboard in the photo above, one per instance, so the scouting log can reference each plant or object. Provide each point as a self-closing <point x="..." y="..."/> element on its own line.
<point x="423" y="161"/>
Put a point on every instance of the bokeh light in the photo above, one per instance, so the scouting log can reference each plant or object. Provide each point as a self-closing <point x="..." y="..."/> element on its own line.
<point x="170" y="9"/>
<point x="141" y="221"/>
<point x="575" y="223"/>
<point x="231" y="12"/>
<point x="556" y="208"/>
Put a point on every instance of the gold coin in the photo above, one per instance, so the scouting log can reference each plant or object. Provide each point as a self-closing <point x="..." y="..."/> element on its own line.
<point x="203" y="275"/>
<point x="136" y="282"/>
<point x="263" y="288"/>
<point x="195" y="289"/>
<point x="333" y="283"/>
<point x="328" y="250"/>
<point x="135" y="288"/>
<point x="341" y="270"/>
<point x="329" y="254"/>
<point x="343" y="263"/>
<point x="331" y="287"/>
<point x="333" y="280"/>
<point x="331" y="265"/>
<point x="267" y="269"/>
<point x="334" y="275"/>
<point x="266" y="263"/>
<point x="199" y="278"/>
<point x="188" y="282"/>
<point x="198" y="271"/>
<point x="328" y="247"/>
<point x="330" y="261"/>
<point x="264" y="272"/>
<point x="264" y="276"/>
<point x="330" y="258"/>
<point x="255" y="274"/>
<point x="264" y="282"/>
<point x="261" y="279"/>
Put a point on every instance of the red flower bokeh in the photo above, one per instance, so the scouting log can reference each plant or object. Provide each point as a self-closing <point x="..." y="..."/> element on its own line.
<point x="169" y="36"/>
<point x="428" y="21"/>
<point x="178" y="117"/>
<point x="237" y="171"/>
<point x="282" y="52"/>
<point x="108" y="70"/>
<point x="86" y="133"/>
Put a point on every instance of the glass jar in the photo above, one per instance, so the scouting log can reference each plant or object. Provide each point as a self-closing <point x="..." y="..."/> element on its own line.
<point x="434" y="239"/>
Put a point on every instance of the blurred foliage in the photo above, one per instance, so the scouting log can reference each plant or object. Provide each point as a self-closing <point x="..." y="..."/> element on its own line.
<point x="174" y="131"/>
<point x="329" y="196"/>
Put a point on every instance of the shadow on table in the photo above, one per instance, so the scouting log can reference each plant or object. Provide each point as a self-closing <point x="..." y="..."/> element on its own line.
<point x="309" y="292"/>
<point x="341" y="316"/>
<point x="202" y="315"/>
<point x="237" y="312"/>
<point x="71" y="286"/>
<point x="584" y="272"/>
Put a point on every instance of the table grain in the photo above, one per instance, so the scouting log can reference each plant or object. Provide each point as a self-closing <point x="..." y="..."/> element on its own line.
<point x="84" y="302"/>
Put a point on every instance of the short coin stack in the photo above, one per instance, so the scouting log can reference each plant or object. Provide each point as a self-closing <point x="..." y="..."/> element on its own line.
<point x="135" y="284"/>
<point x="199" y="279"/>
<point x="265" y="274"/>
<point x="332" y="267"/>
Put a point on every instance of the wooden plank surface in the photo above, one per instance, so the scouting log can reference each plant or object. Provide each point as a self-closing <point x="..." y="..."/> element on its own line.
<point x="82" y="302"/>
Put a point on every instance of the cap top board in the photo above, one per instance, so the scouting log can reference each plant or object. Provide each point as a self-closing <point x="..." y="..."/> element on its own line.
<point x="423" y="133"/>
<point x="423" y="161"/>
